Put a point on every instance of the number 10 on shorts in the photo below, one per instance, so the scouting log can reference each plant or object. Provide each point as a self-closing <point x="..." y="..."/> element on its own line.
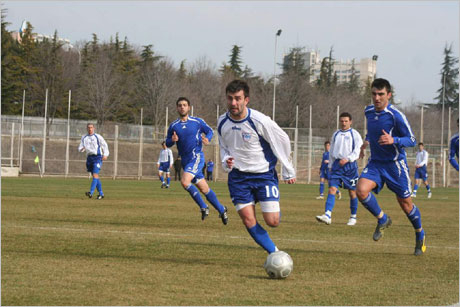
<point x="272" y="191"/>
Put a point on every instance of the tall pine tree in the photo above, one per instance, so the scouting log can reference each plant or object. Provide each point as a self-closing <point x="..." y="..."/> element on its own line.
<point x="449" y="80"/>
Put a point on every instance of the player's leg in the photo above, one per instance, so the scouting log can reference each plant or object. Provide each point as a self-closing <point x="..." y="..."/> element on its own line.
<point x="255" y="230"/>
<point x="417" y="184"/>
<point x="321" y="187"/>
<point x="369" y="201"/>
<point x="96" y="170"/>
<point x="168" y="178"/>
<point x="353" y="208"/>
<point x="160" y="176"/>
<point x="414" y="216"/>
<point x="186" y="183"/>
<point x="329" y="205"/>
<point x="212" y="198"/>
<point x="425" y="181"/>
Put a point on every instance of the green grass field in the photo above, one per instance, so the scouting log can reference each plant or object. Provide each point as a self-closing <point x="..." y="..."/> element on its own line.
<point x="143" y="245"/>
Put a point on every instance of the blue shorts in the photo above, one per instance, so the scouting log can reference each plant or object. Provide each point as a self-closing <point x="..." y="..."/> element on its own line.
<point x="194" y="166"/>
<point x="164" y="167"/>
<point x="420" y="173"/>
<point x="324" y="173"/>
<point x="94" y="164"/>
<point x="344" y="177"/>
<point x="245" y="188"/>
<point x="394" y="173"/>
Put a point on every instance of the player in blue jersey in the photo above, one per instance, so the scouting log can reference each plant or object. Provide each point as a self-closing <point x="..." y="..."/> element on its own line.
<point x="189" y="134"/>
<point x="324" y="171"/>
<point x="209" y="170"/>
<point x="250" y="146"/>
<point x="96" y="151"/>
<point x="388" y="133"/>
<point x="421" y="162"/>
<point x="343" y="168"/>
<point x="453" y="150"/>
<point x="165" y="160"/>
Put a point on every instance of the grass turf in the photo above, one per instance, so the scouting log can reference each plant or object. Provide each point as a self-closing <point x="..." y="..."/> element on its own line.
<point x="143" y="245"/>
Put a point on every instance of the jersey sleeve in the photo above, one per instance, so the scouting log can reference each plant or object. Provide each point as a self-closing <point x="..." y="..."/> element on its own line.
<point x="206" y="129"/>
<point x="406" y="138"/>
<point x="280" y="145"/>
<point x="452" y="151"/>
<point x="331" y="150"/>
<point x="81" y="147"/>
<point x="224" y="155"/>
<point x="171" y="158"/>
<point x="169" y="142"/>
<point x="358" y="143"/>
<point x="104" y="146"/>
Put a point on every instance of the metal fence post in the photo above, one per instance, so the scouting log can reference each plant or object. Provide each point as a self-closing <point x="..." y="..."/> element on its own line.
<point x="115" y="154"/>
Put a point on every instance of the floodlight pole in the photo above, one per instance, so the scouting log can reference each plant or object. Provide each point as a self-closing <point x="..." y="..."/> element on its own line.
<point x="278" y="33"/>
<point x="442" y="115"/>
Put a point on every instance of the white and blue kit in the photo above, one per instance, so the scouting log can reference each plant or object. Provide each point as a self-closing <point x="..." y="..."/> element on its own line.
<point x="165" y="160"/>
<point x="345" y="144"/>
<point x="190" y="144"/>
<point x="255" y="143"/>
<point x="421" y="159"/>
<point x="387" y="163"/>
<point x="453" y="151"/>
<point x="95" y="147"/>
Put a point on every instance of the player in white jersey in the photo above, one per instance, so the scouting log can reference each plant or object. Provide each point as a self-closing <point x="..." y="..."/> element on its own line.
<point x="421" y="163"/>
<point x="343" y="169"/>
<point x="165" y="160"/>
<point x="96" y="151"/>
<point x="250" y="145"/>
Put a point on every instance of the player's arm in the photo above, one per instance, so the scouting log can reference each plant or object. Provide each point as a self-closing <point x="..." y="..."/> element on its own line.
<point x="452" y="159"/>
<point x="226" y="158"/>
<point x="207" y="131"/>
<point x="105" y="147"/>
<point x="169" y="137"/>
<point x="281" y="147"/>
<point x="331" y="150"/>
<point x="406" y="138"/>
<point x="171" y="158"/>
<point x="81" y="147"/>
<point x="357" y="150"/>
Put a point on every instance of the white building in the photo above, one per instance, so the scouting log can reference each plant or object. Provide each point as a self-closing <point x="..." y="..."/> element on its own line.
<point x="365" y="69"/>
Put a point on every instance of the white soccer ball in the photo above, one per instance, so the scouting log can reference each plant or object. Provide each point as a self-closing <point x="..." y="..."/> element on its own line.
<point x="279" y="265"/>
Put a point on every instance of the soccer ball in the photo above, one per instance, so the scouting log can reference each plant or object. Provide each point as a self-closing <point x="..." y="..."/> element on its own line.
<point x="278" y="265"/>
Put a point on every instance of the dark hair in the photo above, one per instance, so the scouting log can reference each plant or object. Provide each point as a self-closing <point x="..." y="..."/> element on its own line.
<point x="182" y="99"/>
<point x="236" y="86"/>
<point x="327" y="142"/>
<point x="346" y="114"/>
<point x="163" y="143"/>
<point x="420" y="144"/>
<point x="381" y="83"/>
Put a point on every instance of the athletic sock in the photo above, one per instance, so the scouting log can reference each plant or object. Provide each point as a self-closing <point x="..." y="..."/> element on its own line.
<point x="419" y="235"/>
<point x="330" y="202"/>
<point x="196" y="196"/>
<point x="260" y="235"/>
<point x="354" y="206"/>
<point x="212" y="198"/>
<point x="371" y="204"/>
<point x="168" y="180"/>
<point x="321" y="188"/>
<point x="415" y="218"/>
<point x="93" y="186"/>
<point x="428" y="188"/>
<point x="415" y="189"/>
<point x="162" y="179"/>
<point x="99" y="186"/>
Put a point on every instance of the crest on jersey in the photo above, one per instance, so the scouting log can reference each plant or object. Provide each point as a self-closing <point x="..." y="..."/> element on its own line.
<point x="246" y="136"/>
<point x="376" y="117"/>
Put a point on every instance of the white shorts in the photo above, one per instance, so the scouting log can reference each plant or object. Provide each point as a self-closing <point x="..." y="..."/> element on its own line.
<point x="265" y="206"/>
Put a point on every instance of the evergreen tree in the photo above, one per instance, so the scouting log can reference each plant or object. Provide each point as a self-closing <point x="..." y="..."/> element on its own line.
<point x="235" y="62"/>
<point x="294" y="62"/>
<point x="449" y="80"/>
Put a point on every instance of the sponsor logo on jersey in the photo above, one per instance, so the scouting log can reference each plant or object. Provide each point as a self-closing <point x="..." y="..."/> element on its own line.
<point x="236" y="128"/>
<point x="246" y="136"/>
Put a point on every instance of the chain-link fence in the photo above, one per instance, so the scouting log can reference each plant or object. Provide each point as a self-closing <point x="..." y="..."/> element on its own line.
<point x="134" y="150"/>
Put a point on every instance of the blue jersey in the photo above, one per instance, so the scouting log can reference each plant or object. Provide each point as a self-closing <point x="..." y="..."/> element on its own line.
<point x="453" y="151"/>
<point x="189" y="133"/>
<point x="325" y="158"/>
<point x="394" y="122"/>
<point x="210" y="166"/>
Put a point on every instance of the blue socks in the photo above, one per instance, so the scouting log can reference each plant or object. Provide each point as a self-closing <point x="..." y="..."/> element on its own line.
<point x="354" y="206"/>
<point x="428" y="188"/>
<point x="371" y="204"/>
<point x="321" y="188"/>
<point x="330" y="202"/>
<point x="196" y="195"/>
<point x="168" y="180"/>
<point x="99" y="187"/>
<point x="93" y="185"/>
<point x="260" y="235"/>
<point x="415" y="218"/>
<point x="415" y="189"/>
<point x="162" y="179"/>
<point x="212" y="198"/>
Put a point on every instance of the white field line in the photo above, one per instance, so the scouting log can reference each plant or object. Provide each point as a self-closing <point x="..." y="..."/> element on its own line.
<point x="184" y="235"/>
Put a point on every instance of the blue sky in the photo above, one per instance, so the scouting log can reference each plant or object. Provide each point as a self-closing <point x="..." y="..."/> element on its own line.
<point x="407" y="36"/>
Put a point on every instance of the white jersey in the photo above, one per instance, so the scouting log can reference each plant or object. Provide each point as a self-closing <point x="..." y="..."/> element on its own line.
<point x="255" y="143"/>
<point x="421" y="158"/>
<point x="166" y="155"/>
<point x="94" y="144"/>
<point x="345" y="144"/>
